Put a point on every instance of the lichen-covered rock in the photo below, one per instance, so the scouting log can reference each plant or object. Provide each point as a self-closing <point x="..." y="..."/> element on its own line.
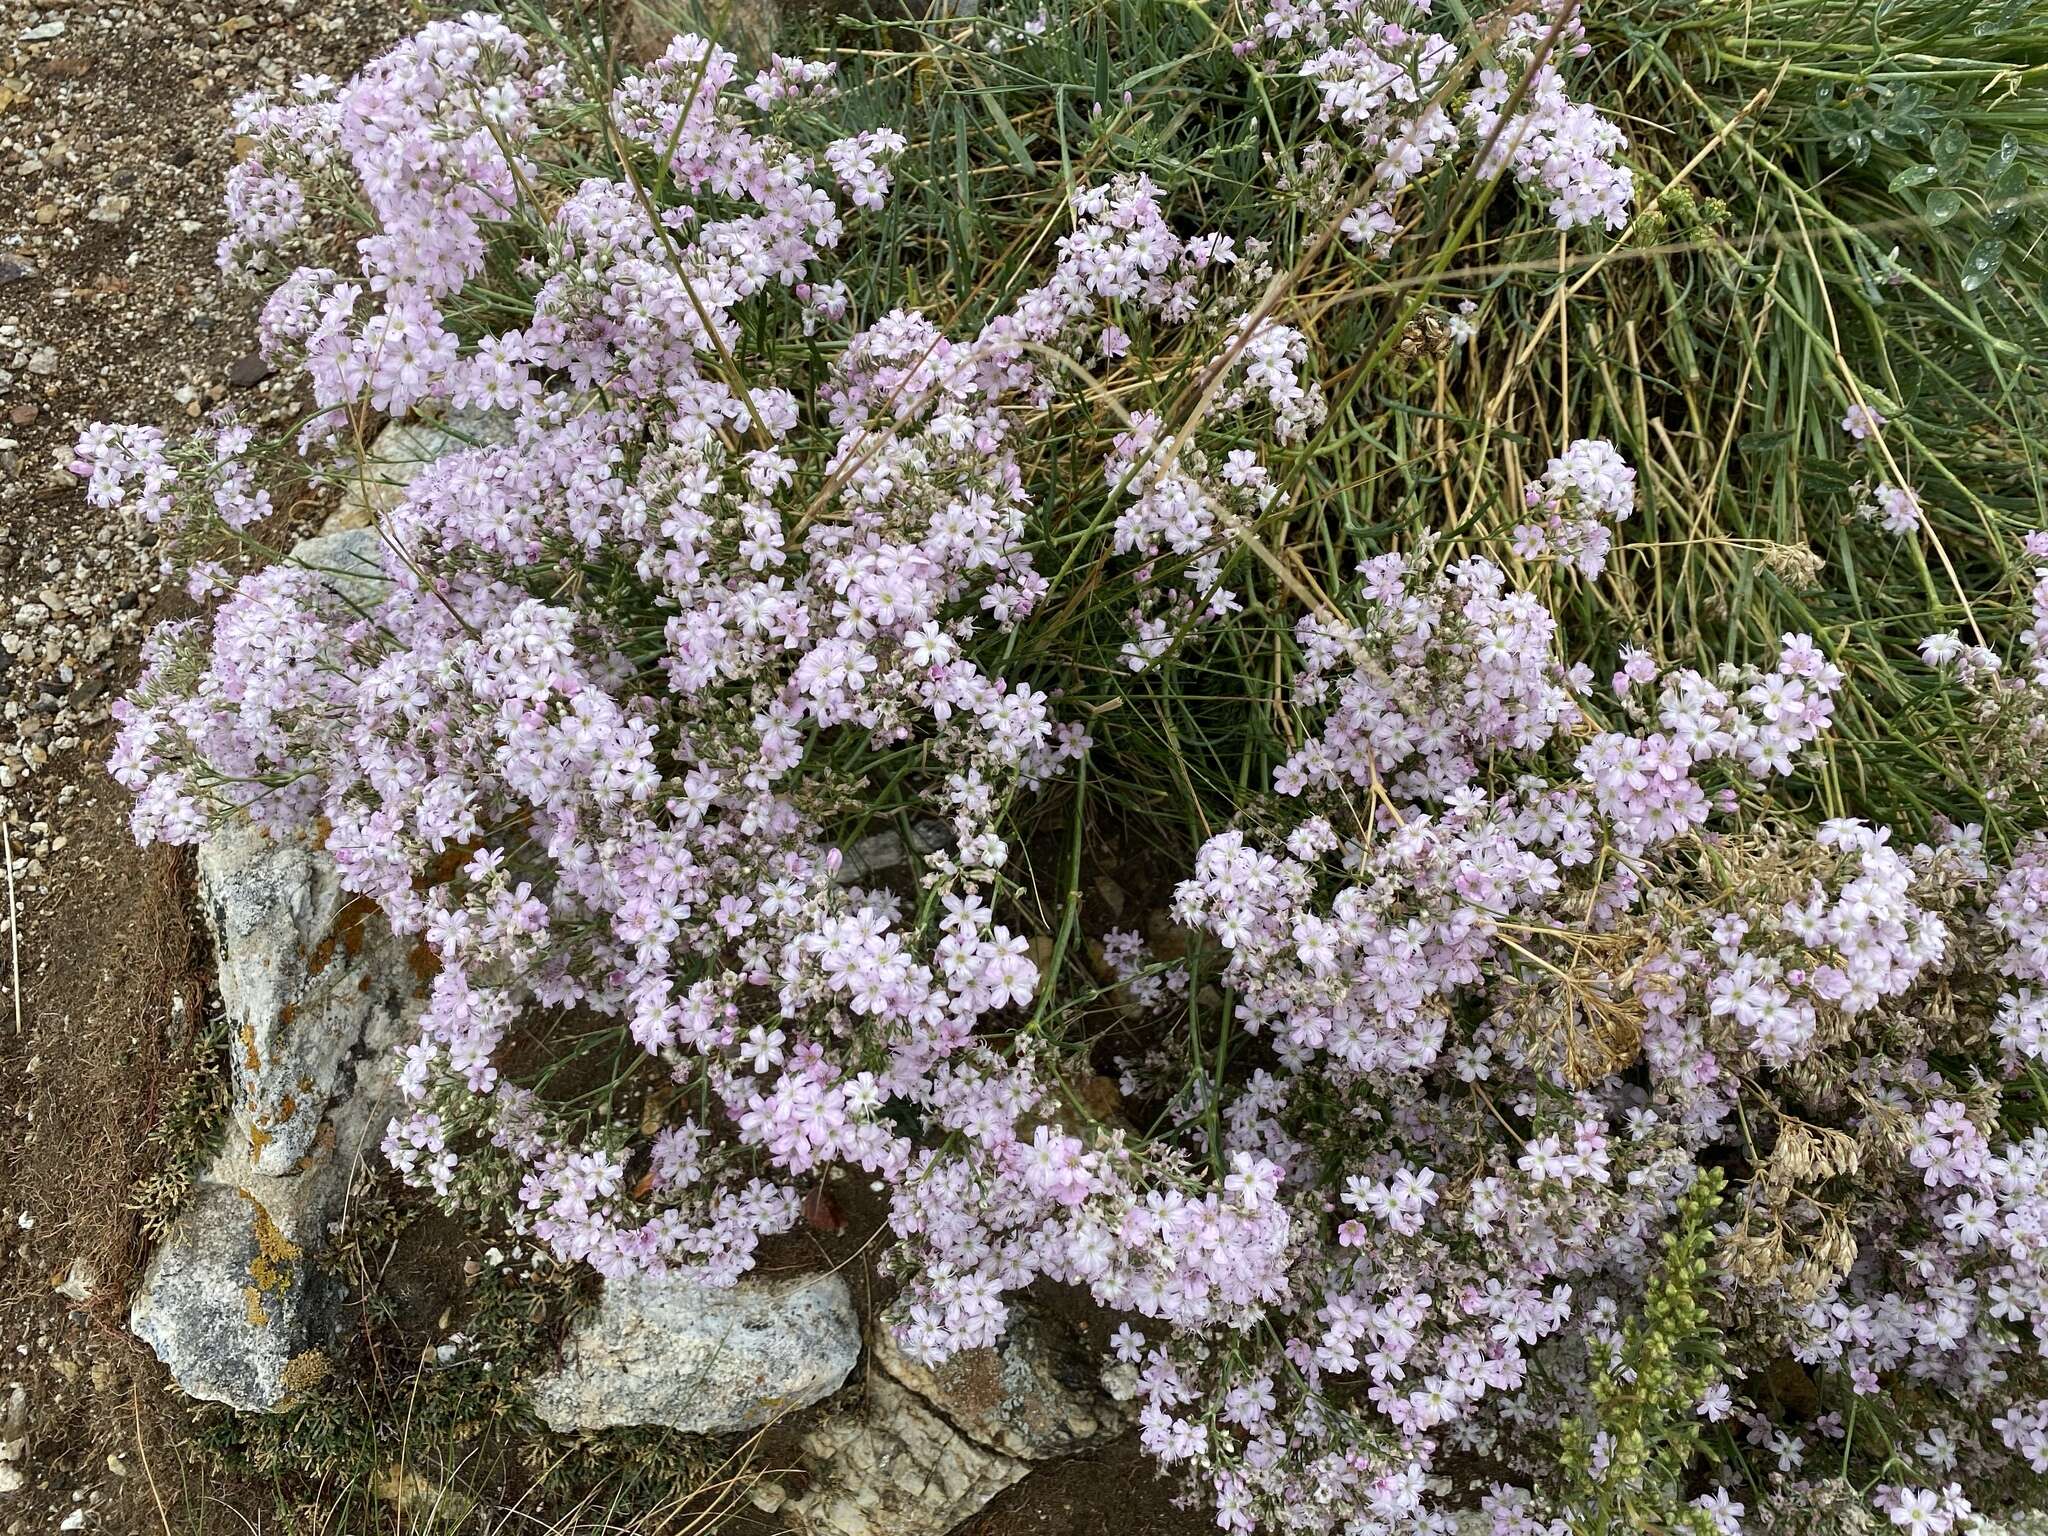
<point x="1033" y="1396"/>
<point x="930" y="1447"/>
<point x="229" y="1303"/>
<point x="234" y="1301"/>
<point x="317" y="993"/>
<point x="311" y="980"/>
<point x="702" y="1360"/>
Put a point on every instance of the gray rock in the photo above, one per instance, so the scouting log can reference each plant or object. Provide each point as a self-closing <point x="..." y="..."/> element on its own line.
<point x="885" y="851"/>
<point x="702" y="1360"/>
<point x="234" y="1301"/>
<point x="1034" y="1396"/>
<point x="249" y="370"/>
<point x="310" y="979"/>
<point x="930" y="1446"/>
<point x="404" y="448"/>
<point x="895" y="1469"/>
<point x="350" y="563"/>
<point x="230" y="1304"/>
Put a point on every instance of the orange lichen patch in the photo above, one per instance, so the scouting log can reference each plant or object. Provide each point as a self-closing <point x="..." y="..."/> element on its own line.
<point x="261" y="1129"/>
<point x="250" y="1058"/>
<point x="323" y="1143"/>
<point x="270" y="1272"/>
<point x="346" y="936"/>
<point x="424" y="964"/>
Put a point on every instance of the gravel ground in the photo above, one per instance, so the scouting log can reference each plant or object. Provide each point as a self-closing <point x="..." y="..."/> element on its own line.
<point x="115" y="135"/>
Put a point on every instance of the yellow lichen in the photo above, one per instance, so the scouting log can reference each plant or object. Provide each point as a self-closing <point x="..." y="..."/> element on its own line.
<point x="270" y="1271"/>
<point x="305" y="1370"/>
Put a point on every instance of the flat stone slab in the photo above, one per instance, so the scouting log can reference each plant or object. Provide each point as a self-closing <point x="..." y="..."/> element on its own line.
<point x="699" y="1359"/>
<point x="1033" y="1396"/>
<point x="895" y="1469"/>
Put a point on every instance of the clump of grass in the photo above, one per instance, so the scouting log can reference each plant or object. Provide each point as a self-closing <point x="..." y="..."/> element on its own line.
<point x="1862" y="229"/>
<point x="1840" y="203"/>
<point x="188" y="1128"/>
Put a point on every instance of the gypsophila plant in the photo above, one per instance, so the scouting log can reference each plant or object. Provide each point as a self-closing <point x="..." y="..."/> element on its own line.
<point x="1583" y="1073"/>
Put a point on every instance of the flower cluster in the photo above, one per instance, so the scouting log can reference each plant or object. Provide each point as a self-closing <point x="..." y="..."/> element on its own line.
<point x="1891" y="508"/>
<point x="632" y="661"/>
<point x="1176" y="508"/>
<point x="1894" y="508"/>
<point x="1583" y="494"/>
<point x="1527" y="996"/>
<point x="624" y="800"/>
<point x="1407" y="98"/>
<point x="205" y="482"/>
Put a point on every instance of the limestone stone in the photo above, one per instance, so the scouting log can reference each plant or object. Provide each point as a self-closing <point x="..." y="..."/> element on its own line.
<point x="317" y="992"/>
<point x="311" y="980"/>
<point x="702" y="1360"/>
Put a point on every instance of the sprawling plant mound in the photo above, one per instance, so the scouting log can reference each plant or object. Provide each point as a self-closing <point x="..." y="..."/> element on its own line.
<point x="1575" y="1100"/>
